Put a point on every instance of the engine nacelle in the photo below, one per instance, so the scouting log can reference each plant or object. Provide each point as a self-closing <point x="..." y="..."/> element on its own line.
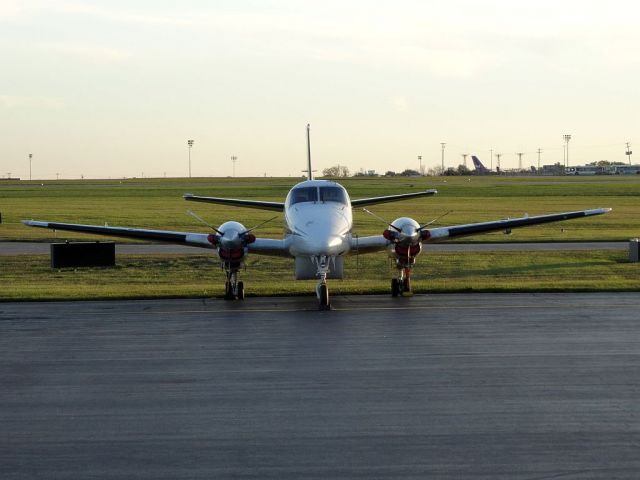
<point x="231" y="241"/>
<point x="406" y="236"/>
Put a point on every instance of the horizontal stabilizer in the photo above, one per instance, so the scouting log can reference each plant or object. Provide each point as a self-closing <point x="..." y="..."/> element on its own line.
<point x="260" y="205"/>
<point x="363" y="202"/>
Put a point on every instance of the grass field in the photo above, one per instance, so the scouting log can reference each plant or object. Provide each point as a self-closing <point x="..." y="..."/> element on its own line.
<point x="157" y="203"/>
<point x="151" y="276"/>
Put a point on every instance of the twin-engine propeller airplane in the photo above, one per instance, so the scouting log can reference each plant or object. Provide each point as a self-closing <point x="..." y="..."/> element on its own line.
<point x="318" y="234"/>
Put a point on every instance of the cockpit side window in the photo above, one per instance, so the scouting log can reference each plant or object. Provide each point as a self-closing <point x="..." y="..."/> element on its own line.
<point x="304" y="194"/>
<point x="333" y="194"/>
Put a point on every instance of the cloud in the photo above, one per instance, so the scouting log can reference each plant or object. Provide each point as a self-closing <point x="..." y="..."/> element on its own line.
<point x="17" y="101"/>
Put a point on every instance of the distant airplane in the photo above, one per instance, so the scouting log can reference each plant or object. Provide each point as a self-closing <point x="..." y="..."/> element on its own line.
<point x="318" y="234"/>
<point x="480" y="168"/>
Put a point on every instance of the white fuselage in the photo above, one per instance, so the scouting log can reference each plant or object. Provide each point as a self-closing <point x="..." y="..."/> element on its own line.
<point x="318" y="219"/>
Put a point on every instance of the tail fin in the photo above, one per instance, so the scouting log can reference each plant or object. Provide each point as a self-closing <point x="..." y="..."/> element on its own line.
<point x="478" y="164"/>
<point x="309" y="170"/>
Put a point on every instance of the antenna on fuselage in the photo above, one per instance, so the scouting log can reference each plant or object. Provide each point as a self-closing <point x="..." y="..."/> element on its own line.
<point x="309" y="171"/>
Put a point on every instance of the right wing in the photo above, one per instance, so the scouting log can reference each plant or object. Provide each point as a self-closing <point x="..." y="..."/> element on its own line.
<point x="261" y="246"/>
<point x="261" y="205"/>
<point x="184" y="238"/>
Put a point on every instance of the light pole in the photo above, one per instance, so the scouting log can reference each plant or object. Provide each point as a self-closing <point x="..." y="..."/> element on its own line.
<point x="464" y="158"/>
<point x="31" y="156"/>
<point x="234" y="159"/>
<point x="498" y="155"/>
<point x="629" y="152"/>
<point x="566" y="141"/>
<point x="520" y="154"/>
<point x="420" y="162"/>
<point x="491" y="160"/>
<point x="190" y="144"/>
<point x="442" y="144"/>
<point x="539" y="152"/>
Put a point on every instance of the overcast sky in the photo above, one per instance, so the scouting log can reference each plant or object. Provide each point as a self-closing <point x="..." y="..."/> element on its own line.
<point x="115" y="88"/>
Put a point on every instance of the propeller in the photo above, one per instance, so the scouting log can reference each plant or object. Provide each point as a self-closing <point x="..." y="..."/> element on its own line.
<point x="231" y="237"/>
<point x="205" y="222"/>
<point x="434" y="220"/>
<point x="410" y="232"/>
<point x="382" y="220"/>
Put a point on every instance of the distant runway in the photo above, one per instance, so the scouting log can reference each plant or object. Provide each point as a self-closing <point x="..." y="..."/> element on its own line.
<point x="34" y="248"/>
<point x="483" y="386"/>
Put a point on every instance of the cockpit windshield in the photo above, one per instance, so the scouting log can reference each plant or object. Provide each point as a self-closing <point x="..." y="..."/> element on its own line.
<point x="333" y="194"/>
<point x="304" y="194"/>
<point x="326" y="194"/>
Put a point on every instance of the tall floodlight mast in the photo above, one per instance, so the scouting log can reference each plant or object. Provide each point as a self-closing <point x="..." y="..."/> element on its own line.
<point x="629" y="152"/>
<point x="234" y="159"/>
<point x="190" y="144"/>
<point x="520" y="154"/>
<point x="442" y="144"/>
<point x="539" y="152"/>
<point x="31" y="156"/>
<point x="566" y="141"/>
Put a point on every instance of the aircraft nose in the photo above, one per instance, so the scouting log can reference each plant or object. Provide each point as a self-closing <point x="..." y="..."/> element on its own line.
<point x="324" y="245"/>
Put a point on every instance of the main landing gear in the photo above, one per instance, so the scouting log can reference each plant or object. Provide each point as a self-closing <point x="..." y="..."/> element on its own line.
<point x="401" y="284"/>
<point x="233" y="289"/>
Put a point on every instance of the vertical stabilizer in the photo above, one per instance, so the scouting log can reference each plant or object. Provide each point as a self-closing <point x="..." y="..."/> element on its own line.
<point x="309" y="170"/>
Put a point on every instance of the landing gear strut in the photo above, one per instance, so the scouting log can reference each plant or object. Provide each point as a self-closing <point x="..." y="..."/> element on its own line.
<point x="322" y="291"/>
<point x="233" y="289"/>
<point x="401" y="284"/>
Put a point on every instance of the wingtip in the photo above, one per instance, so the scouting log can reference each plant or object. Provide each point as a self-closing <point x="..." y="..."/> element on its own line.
<point x="35" y="223"/>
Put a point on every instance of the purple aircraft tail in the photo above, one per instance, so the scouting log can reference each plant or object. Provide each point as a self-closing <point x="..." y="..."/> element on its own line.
<point x="480" y="168"/>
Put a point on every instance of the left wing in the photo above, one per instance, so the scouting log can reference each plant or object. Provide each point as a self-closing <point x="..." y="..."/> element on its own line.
<point x="441" y="233"/>
<point x="184" y="238"/>
<point x="378" y="242"/>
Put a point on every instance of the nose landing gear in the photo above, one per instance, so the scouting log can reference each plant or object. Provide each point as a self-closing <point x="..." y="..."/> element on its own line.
<point x="322" y="291"/>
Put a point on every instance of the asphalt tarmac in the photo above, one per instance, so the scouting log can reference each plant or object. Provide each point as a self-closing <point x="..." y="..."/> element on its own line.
<point x="35" y="248"/>
<point x="482" y="386"/>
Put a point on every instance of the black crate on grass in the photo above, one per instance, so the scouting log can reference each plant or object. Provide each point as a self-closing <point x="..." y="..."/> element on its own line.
<point x="83" y="254"/>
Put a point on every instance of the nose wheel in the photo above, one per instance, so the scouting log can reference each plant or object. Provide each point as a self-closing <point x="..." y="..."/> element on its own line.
<point x="323" y="297"/>
<point x="322" y="291"/>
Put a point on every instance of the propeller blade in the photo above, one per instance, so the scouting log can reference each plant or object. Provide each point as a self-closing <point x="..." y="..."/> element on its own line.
<point x="259" y="225"/>
<point x="205" y="222"/>
<point x="434" y="220"/>
<point x="382" y="220"/>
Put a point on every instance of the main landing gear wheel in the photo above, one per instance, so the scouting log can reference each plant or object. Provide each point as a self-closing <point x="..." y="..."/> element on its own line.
<point x="230" y="294"/>
<point x="395" y="287"/>
<point x="323" y="298"/>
